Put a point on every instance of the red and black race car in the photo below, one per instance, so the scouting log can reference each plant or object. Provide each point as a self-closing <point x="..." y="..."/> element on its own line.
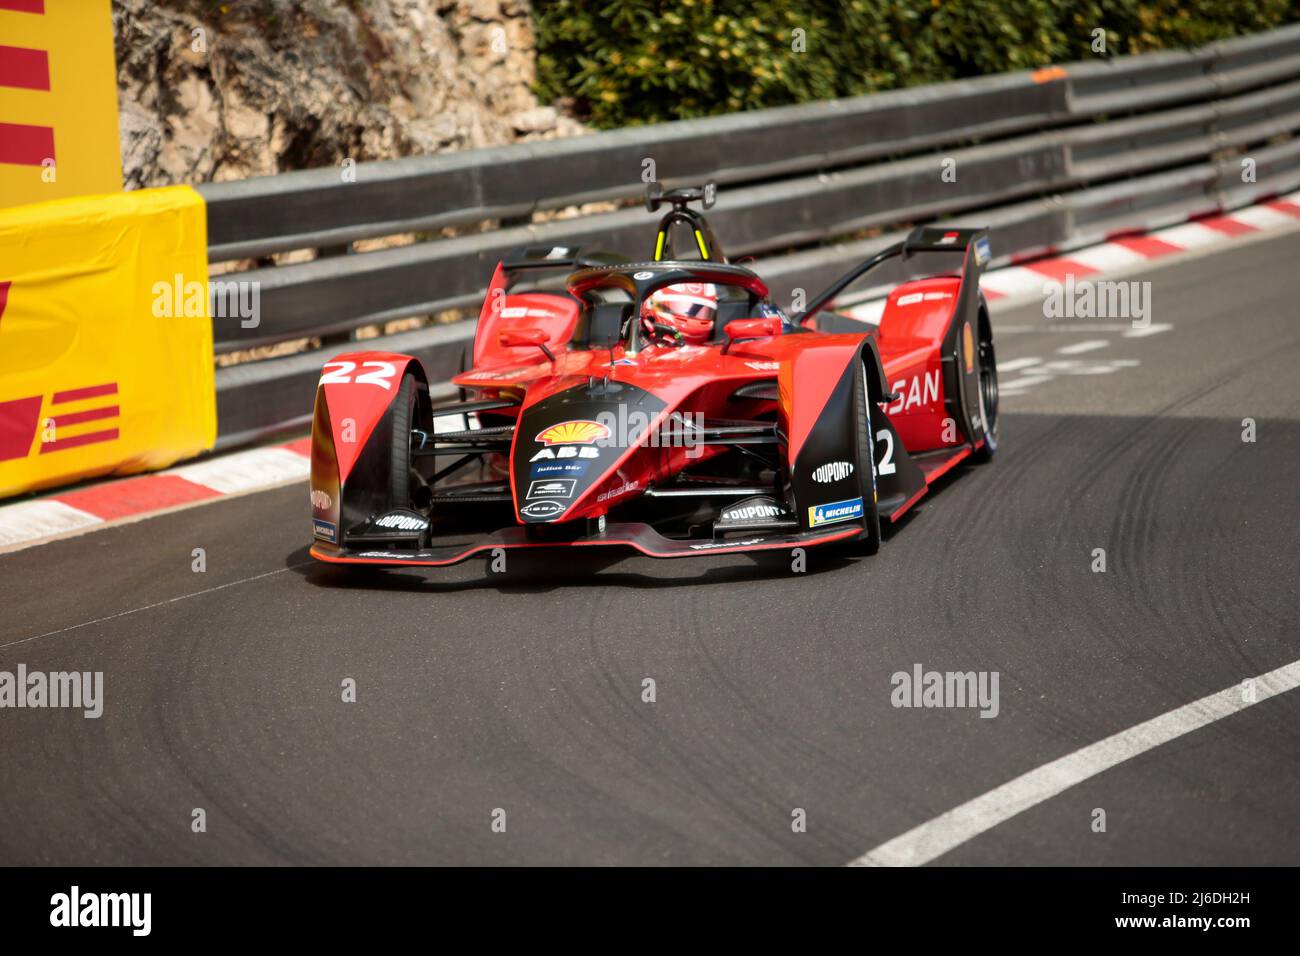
<point x="664" y="405"/>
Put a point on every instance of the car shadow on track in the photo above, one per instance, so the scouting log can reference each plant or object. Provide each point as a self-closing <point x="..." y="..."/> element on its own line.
<point x="540" y="571"/>
<point x="537" y="572"/>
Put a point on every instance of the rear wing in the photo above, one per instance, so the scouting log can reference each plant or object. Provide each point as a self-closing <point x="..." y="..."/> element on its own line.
<point x="939" y="239"/>
<point x="525" y="258"/>
<point x="523" y="264"/>
<point x="541" y="257"/>
<point x="974" y="243"/>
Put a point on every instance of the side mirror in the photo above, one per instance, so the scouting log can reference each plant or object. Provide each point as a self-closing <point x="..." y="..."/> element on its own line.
<point x="514" y="338"/>
<point x="750" y="329"/>
<point x="753" y="328"/>
<point x="653" y="192"/>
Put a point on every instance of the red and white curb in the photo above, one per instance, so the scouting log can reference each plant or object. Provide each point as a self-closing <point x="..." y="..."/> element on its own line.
<point x="118" y="502"/>
<point x="68" y="513"/>
<point x="1027" y="278"/>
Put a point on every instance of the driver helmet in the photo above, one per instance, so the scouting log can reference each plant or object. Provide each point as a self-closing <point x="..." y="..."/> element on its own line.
<point x="687" y="307"/>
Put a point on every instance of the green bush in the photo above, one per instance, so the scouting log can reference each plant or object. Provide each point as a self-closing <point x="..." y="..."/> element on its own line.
<point x="628" y="62"/>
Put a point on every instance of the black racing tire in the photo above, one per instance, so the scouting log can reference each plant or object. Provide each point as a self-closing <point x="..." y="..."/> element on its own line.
<point x="988" y="389"/>
<point x="399" y="475"/>
<point x="869" y="541"/>
<point x="466" y="360"/>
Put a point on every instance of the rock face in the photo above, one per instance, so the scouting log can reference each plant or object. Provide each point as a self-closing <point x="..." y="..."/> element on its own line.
<point x="216" y="91"/>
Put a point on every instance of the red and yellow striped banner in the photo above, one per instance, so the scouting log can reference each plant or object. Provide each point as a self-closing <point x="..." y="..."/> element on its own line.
<point x="58" y="101"/>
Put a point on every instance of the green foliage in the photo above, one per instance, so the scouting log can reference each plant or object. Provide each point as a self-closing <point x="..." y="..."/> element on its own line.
<point x="628" y="62"/>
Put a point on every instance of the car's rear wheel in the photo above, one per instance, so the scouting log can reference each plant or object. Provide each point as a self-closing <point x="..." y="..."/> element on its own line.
<point x="988" y="389"/>
<point x="869" y="542"/>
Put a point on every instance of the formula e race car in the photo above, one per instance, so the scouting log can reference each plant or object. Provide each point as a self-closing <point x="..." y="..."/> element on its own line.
<point x="665" y="405"/>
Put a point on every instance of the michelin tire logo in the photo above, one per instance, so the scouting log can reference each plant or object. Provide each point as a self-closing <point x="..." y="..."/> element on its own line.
<point x="835" y="511"/>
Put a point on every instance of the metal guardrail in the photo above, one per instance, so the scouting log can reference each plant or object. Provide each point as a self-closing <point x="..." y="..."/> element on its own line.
<point x="1050" y="159"/>
<point x="254" y="217"/>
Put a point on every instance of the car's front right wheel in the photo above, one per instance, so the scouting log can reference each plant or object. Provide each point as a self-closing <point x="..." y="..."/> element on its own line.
<point x="869" y="541"/>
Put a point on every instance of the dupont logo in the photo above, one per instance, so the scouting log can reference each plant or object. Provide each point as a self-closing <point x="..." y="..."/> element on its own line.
<point x="832" y="471"/>
<point x="750" y="512"/>
<point x="68" y="419"/>
<point x="401" y="521"/>
<point x="752" y="509"/>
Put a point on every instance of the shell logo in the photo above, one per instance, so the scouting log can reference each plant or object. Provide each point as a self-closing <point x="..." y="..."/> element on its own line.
<point x="573" y="433"/>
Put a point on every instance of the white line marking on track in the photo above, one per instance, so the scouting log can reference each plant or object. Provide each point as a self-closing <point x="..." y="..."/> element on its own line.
<point x="149" y="607"/>
<point x="1154" y="328"/>
<point x="1070" y="327"/>
<point x="1080" y="368"/>
<point x="1016" y="365"/>
<point x="1017" y="385"/>
<point x="936" y="837"/>
<point x="1090" y="345"/>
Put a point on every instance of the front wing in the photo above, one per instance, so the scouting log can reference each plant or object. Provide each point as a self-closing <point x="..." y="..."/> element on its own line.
<point x="640" y="537"/>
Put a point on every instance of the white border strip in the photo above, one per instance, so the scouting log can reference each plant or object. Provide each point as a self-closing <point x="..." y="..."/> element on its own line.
<point x="936" y="837"/>
<point x="32" y="520"/>
<point x="247" y="470"/>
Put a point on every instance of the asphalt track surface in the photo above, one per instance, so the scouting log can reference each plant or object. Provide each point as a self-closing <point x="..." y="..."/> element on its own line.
<point x="523" y="691"/>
